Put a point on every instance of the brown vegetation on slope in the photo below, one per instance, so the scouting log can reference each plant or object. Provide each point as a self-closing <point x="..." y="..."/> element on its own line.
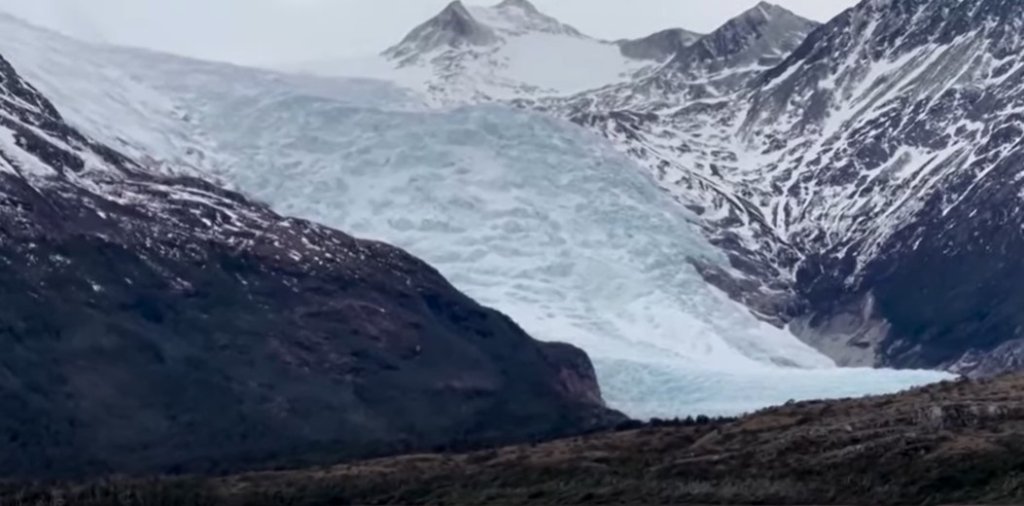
<point x="955" y="442"/>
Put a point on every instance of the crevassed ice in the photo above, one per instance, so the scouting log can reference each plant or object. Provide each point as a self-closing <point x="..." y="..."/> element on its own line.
<point x="547" y="223"/>
<point x="527" y="214"/>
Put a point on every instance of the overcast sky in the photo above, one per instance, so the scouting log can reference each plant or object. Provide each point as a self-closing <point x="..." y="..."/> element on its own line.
<point x="282" y="31"/>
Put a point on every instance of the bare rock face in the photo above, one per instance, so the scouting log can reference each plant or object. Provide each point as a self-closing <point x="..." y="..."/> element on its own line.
<point x="153" y="323"/>
<point x="659" y="46"/>
<point x="905" y="151"/>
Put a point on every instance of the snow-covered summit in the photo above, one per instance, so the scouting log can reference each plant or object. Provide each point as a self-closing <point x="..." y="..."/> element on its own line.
<point x="454" y="28"/>
<point x="516" y="51"/>
<point x="459" y="27"/>
<point x="473" y="54"/>
<point x="520" y="17"/>
<point x="512" y="50"/>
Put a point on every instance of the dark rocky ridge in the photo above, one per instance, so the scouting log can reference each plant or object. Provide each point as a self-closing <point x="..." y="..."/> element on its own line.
<point x="714" y="65"/>
<point x="153" y="323"/>
<point x="762" y="34"/>
<point x="729" y="57"/>
<point x="659" y="46"/>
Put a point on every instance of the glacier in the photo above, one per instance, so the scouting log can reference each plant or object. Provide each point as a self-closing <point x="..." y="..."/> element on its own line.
<point x="526" y="213"/>
<point x="552" y="226"/>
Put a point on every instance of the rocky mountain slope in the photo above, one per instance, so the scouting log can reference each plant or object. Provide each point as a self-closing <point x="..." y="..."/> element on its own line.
<point x="950" y="443"/>
<point x="901" y="177"/>
<point x="156" y="322"/>
<point x="842" y="178"/>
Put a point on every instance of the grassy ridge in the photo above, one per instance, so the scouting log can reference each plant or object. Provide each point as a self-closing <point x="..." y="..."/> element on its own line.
<point x="956" y="442"/>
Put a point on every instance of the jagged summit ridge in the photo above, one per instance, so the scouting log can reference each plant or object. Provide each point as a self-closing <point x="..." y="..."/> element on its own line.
<point x="458" y="26"/>
<point x="767" y="11"/>
<point x="453" y="27"/>
<point x="520" y="17"/>
<point x="471" y="54"/>
<point x="886" y="29"/>
<point x="524" y="5"/>
<point x="512" y="50"/>
<point x="713" y="66"/>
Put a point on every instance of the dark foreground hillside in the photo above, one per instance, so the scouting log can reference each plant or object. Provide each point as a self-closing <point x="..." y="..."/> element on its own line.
<point x="952" y="443"/>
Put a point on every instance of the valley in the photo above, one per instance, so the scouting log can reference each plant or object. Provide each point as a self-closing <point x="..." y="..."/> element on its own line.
<point x="771" y="262"/>
<point x="473" y="191"/>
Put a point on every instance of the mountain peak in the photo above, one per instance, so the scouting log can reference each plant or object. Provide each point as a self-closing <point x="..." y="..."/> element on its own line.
<point x="767" y="9"/>
<point x="520" y="17"/>
<point x="523" y="5"/>
<point x="456" y="18"/>
<point x="768" y="13"/>
<point x="456" y="9"/>
<point x="455" y="26"/>
<point x="763" y="30"/>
